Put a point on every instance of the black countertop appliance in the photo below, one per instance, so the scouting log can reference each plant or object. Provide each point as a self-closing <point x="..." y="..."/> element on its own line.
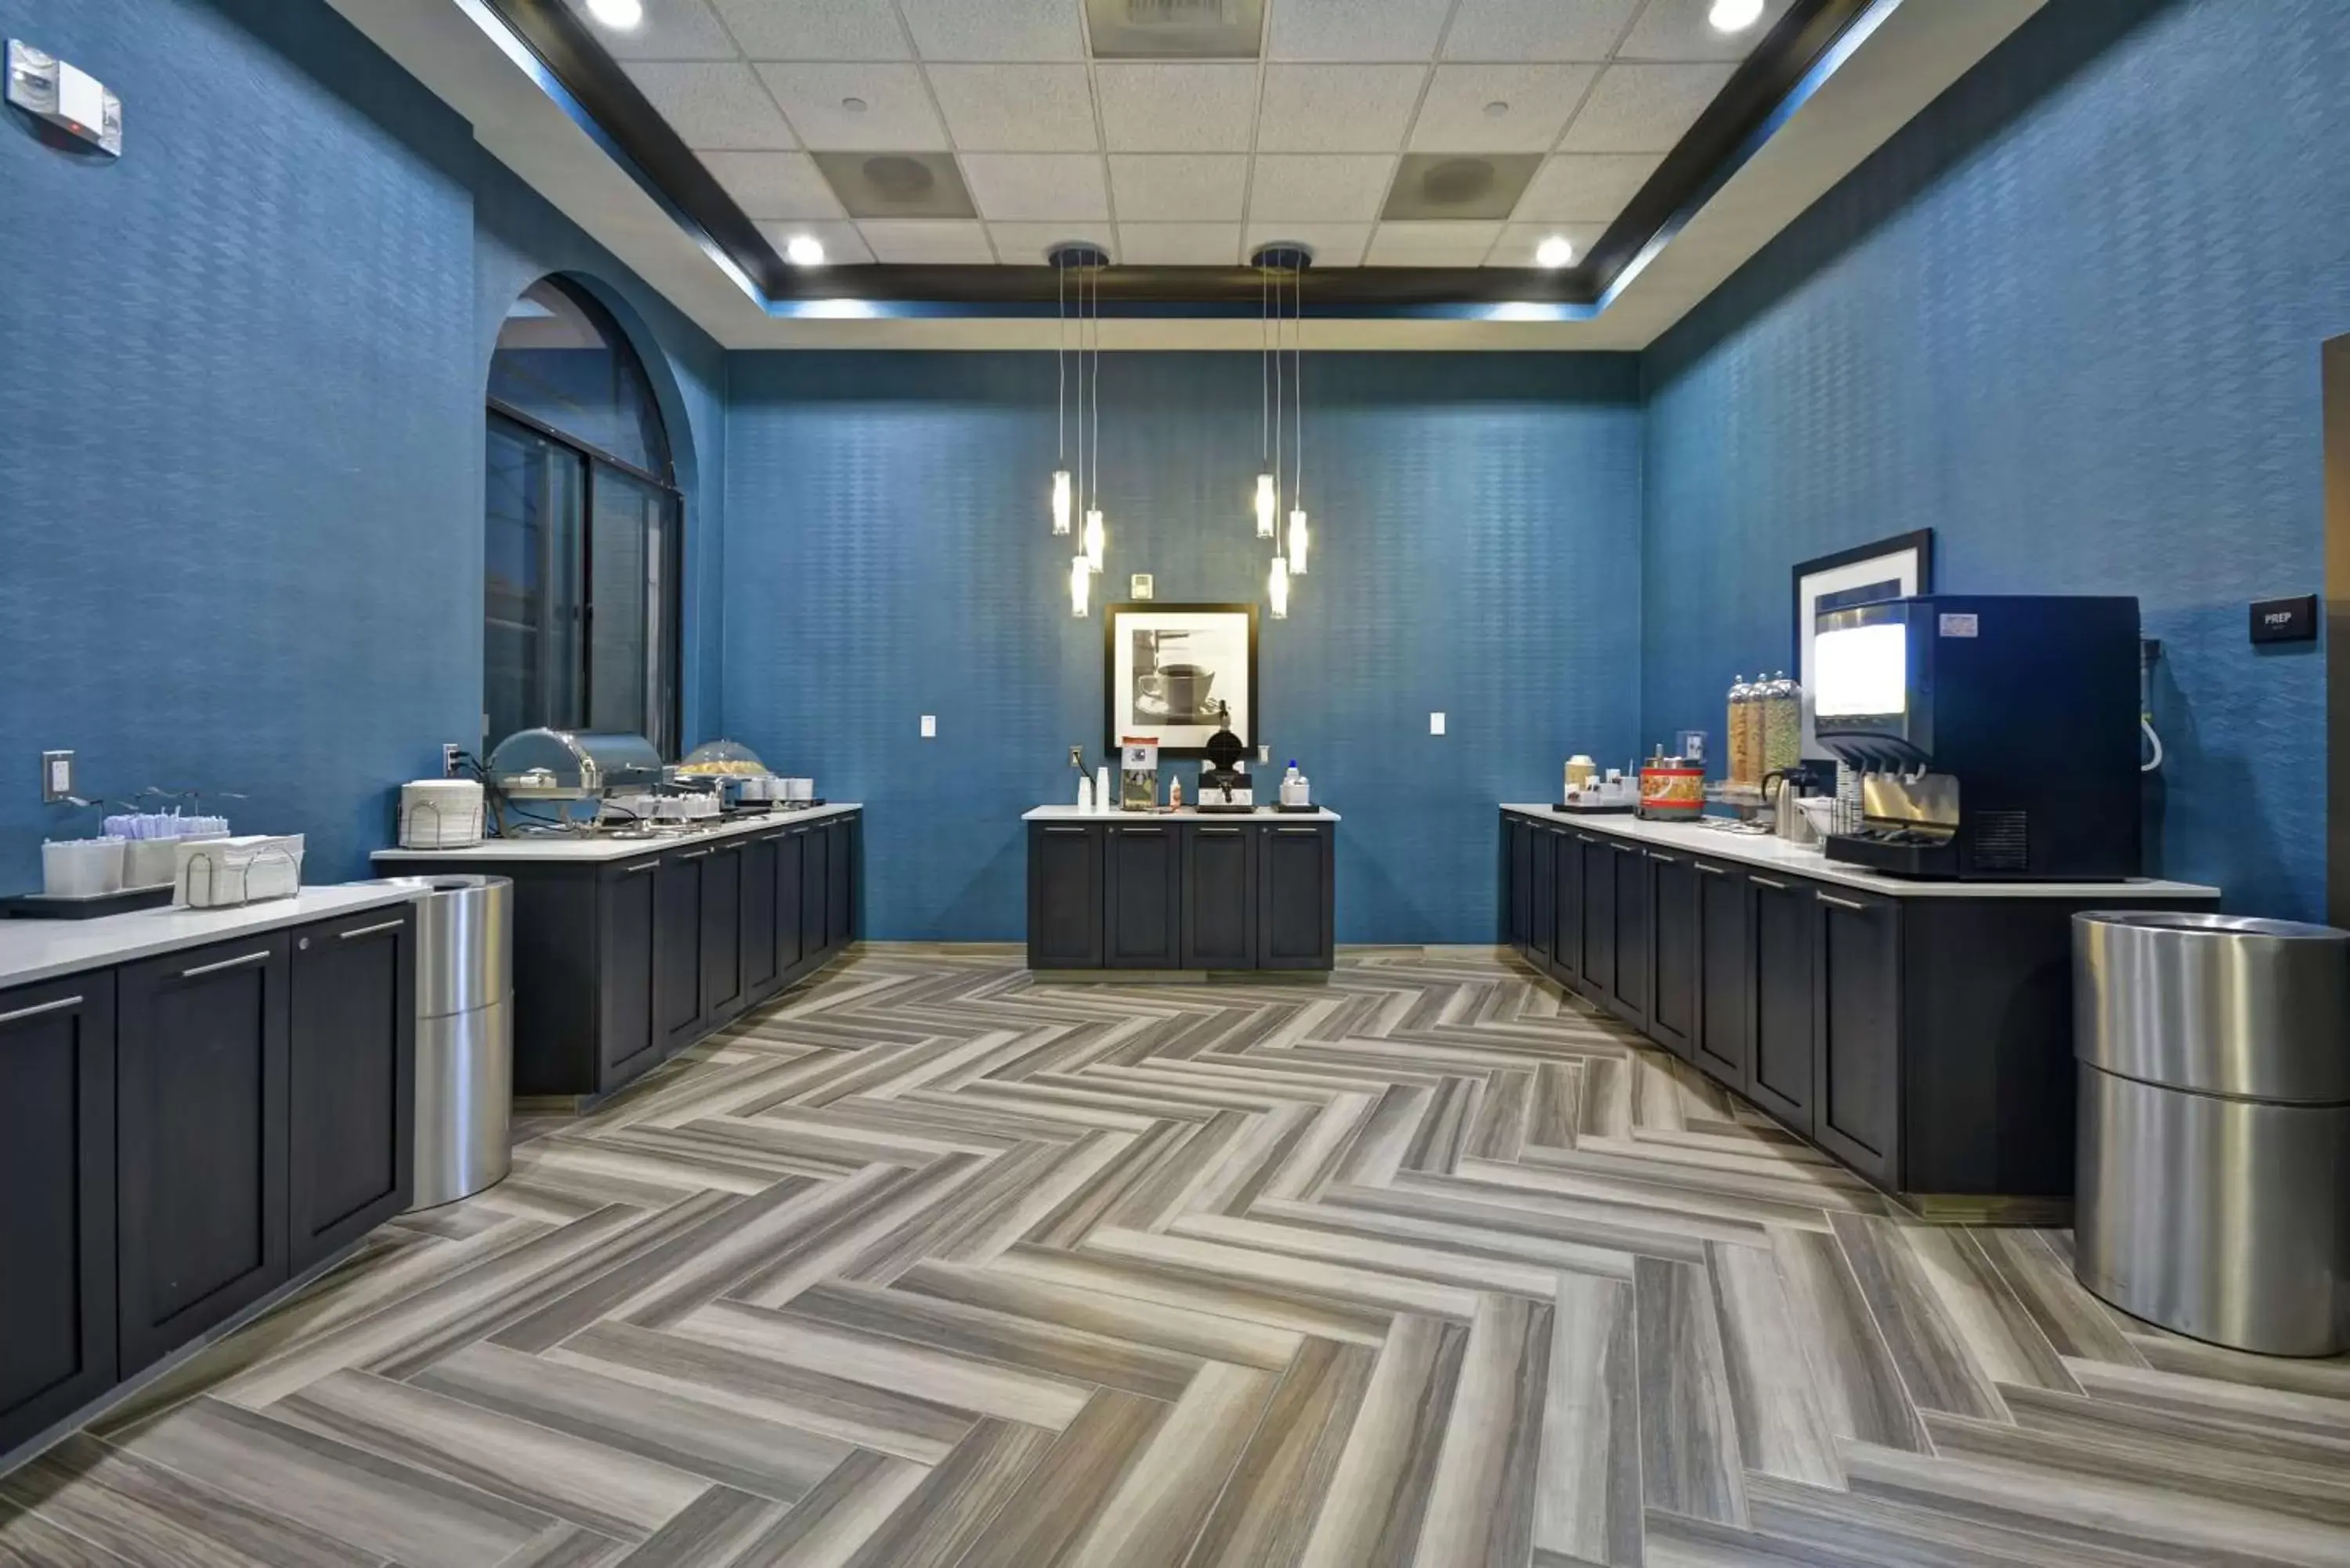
<point x="1997" y="737"/>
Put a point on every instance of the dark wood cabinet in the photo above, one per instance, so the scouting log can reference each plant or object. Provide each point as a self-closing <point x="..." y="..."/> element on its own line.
<point x="722" y="933"/>
<point x="1065" y="895"/>
<point x="201" y="1123"/>
<point x="1143" y="896"/>
<point x="1565" y="882"/>
<point x="676" y="947"/>
<point x="1545" y="906"/>
<point x="1725" y="963"/>
<point x="628" y="970"/>
<point x="351" y="1084"/>
<point x="762" y="966"/>
<point x="840" y="881"/>
<point x="57" y="1201"/>
<point x="815" y="889"/>
<point x="1856" y="1066"/>
<point x="1219" y="895"/>
<point x="1518" y="866"/>
<point x="791" y="948"/>
<point x="1295" y="889"/>
<point x="1674" y="938"/>
<point x="1595" y="973"/>
<point x="1628" y="992"/>
<point x="1779" y="1076"/>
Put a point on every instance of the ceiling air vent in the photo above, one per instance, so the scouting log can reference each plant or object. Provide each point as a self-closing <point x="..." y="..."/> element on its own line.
<point x="1460" y="184"/>
<point x="1175" y="29"/>
<point x="897" y="184"/>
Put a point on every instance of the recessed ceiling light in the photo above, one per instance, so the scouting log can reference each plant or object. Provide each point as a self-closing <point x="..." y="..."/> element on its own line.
<point x="1554" y="251"/>
<point x="853" y="105"/>
<point x="803" y="250"/>
<point x="1497" y="109"/>
<point x="1734" y="15"/>
<point x="623" y="15"/>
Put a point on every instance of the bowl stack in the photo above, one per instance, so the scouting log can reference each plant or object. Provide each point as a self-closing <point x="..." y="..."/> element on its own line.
<point x="440" y="814"/>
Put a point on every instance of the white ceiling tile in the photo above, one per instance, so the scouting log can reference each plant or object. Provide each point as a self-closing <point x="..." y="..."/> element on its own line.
<point x="1180" y="187"/>
<point x="1677" y="30"/>
<point x="1175" y="107"/>
<point x="843" y="246"/>
<point x="1432" y="244"/>
<point x="1332" y="244"/>
<point x="922" y="242"/>
<point x="1179" y="244"/>
<point x="1357" y="29"/>
<point x="1589" y="187"/>
<point x="1459" y="114"/>
<point x="773" y="184"/>
<point x="1026" y="187"/>
<point x="816" y="29"/>
<point x="818" y="99"/>
<point x="1026" y="244"/>
<point x="1337" y="109"/>
<point x="1643" y="108"/>
<point x="995" y="29"/>
<point x="712" y="106"/>
<point x="1519" y="242"/>
<point x="671" y="30"/>
<point x="1016" y="108"/>
<point x="1322" y="187"/>
<point x="1527" y="30"/>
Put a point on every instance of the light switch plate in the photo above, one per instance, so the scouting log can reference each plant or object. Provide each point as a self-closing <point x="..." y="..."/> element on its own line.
<point x="930" y="726"/>
<point x="1140" y="585"/>
<point x="1265" y="754"/>
<point x="1436" y="723"/>
<point x="57" y="775"/>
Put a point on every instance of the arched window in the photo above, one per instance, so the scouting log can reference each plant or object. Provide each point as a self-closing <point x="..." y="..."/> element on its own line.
<point x="583" y="529"/>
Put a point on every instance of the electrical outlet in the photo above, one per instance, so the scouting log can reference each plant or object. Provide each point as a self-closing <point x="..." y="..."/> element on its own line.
<point x="1077" y="758"/>
<point x="450" y="751"/>
<point x="930" y="726"/>
<point x="57" y="775"/>
<point x="1436" y="723"/>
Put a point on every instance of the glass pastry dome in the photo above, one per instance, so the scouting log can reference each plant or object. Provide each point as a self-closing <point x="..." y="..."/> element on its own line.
<point x="721" y="759"/>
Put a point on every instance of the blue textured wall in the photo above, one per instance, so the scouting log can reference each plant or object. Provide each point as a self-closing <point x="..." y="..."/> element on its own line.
<point x="2069" y="319"/>
<point x="889" y="556"/>
<point x="240" y="421"/>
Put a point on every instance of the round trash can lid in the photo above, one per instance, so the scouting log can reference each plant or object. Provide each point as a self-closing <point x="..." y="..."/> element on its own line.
<point x="2195" y="921"/>
<point x="441" y="882"/>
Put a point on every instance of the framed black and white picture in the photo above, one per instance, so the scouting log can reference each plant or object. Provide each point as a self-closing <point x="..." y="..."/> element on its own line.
<point x="1172" y="670"/>
<point x="1895" y="569"/>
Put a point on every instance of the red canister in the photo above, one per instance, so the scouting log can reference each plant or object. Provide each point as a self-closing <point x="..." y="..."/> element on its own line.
<point x="1671" y="789"/>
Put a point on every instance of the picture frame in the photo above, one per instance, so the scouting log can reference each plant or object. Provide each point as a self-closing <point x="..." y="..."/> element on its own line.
<point x="1897" y="567"/>
<point x="1166" y="666"/>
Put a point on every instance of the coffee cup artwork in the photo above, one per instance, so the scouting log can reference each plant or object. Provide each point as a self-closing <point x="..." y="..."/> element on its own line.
<point x="1173" y="669"/>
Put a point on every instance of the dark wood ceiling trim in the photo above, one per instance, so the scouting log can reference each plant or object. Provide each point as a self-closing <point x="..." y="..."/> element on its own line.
<point x="1710" y="150"/>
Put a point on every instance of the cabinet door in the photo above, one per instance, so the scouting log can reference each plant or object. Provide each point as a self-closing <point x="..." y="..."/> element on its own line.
<point x="1857" y="1114"/>
<point x="676" y="947"/>
<point x="1567" y="906"/>
<point x="1629" y="988"/>
<point x="200" y="1123"/>
<point x="1597" y="974"/>
<point x="1541" y="862"/>
<point x="1673" y="947"/>
<point x="1725" y="960"/>
<point x="1065" y="895"/>
<point x="815" y="889"/>
<point x="840" y="881"/>
<point x="1780" y="1076"/>
<point x="722" y="933"/>
<point x="628" y="969"/>
<point x="1521" y="835"/>
<point x="791" y="947"/>
<point x="1142" y="892"/>
<point x="351" y="1054"/>
<point x="1295" y="890"/>
<point x="57" y="1222"/>
<point x="1219" y="897"/>
<point x="762" y="967"/>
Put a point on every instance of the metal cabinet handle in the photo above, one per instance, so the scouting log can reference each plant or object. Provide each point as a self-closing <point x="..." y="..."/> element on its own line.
<point x="1767" y="882"/>
<point x="640" y="870"/>
<point x="1853" y="905"/>
<point x="261" y="957"/>
<point x="693" y="854"/>
<point x="1218" y="832"/>
<point x="772" y="837"/>
<point x="1585" y="838"/>
<point x="1705" y="870"/>
<point x="375" y="930"/>
<point x="59" y="1005"/>
<point x="1309" y="832"/>
<point x="1153" y="832"/>
<point x="1049" y="830"/>
<point x="1667" y="860"/>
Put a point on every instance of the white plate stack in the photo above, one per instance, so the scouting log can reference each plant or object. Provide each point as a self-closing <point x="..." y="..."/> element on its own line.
<point x="440" y="814"/>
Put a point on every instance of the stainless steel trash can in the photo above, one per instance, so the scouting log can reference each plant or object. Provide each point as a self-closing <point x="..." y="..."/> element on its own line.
<point x="464" y="1034"/>
<point x="2214" y="1174"/>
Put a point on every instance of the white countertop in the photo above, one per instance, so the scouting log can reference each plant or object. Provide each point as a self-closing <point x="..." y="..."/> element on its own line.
<point x="1262" y="814"/>
<point x="555" y="846"/>
<point x="1804" y="860"/>
<point x="44" y="949"/>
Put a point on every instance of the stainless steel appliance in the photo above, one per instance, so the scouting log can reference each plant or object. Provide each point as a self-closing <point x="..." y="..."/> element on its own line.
<point x="1996" y="737"/>
<point x="464" y="1034"/>
<point x="2213" y="1195"/>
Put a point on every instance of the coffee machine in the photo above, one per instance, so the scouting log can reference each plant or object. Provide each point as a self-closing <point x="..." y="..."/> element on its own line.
<point x="1224" y="782"/>
<point x="1996" y="737"/>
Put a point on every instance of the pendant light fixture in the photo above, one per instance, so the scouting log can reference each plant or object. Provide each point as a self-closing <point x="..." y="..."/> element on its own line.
<point x="1276" y="263"/>
<point x="1080" y="491"/>
<point x="1266" y="500"/>
<point x="1297" y="552"/>
<point x="1061" y="406"/>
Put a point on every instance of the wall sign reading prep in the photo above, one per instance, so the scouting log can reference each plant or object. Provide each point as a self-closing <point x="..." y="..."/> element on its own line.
<point x="2286" y="620"/>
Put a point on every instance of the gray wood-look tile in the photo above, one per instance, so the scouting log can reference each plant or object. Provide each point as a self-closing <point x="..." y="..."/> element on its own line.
<point x="927" y="1265"/>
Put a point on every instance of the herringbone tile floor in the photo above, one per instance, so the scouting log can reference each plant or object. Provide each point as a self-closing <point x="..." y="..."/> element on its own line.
<point x="929" y="1264"/>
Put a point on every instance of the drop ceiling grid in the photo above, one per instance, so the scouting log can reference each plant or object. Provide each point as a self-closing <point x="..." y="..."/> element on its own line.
<point x="1694" y="64"/>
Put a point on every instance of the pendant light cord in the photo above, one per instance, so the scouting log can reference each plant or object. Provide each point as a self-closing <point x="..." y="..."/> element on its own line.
<point x="1097" y="484"/>
<point x="1061" y="366"/>
<point x="1297" y="386"/>
<point x="1264" y="373"/>
<point x="1276" y="415"/>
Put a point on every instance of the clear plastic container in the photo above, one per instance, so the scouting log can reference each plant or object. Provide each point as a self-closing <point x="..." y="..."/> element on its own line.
<point x="721" y="759"/>
<point x="81" y="867"/>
